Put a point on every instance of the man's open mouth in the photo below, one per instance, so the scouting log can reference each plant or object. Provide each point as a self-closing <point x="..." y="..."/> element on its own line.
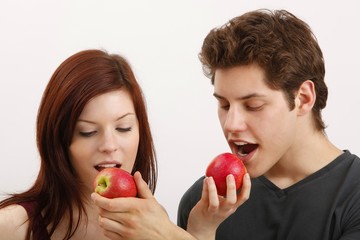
<point x="243" y="149"/>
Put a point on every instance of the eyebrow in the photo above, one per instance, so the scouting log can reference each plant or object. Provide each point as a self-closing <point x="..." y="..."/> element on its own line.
<point x="121" y="117"/>
<point x="252" y="95"/>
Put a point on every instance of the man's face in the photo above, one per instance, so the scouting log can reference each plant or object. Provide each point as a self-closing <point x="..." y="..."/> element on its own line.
<point x="256" y="120"/>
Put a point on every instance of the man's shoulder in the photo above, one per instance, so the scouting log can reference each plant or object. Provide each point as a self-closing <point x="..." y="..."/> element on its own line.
<point x="192" y="195"/>
<point x="194" y="191"/>
<point x="188" y="201"/>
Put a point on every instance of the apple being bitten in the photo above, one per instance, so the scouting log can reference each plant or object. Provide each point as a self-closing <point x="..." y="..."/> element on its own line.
<point x="223" y="165"/>
<point x="114" y="183"/>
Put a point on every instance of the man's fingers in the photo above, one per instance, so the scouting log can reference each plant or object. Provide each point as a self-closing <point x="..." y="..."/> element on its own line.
<point x="231" y="195"/>
<point x="245" y="190"/>
<point x="212" y="194"/>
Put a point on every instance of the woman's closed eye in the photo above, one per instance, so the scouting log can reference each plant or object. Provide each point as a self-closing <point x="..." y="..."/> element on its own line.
<point x="128" y="129"/>
<point x="92" y="133"/>
<point x="87" y="134"/>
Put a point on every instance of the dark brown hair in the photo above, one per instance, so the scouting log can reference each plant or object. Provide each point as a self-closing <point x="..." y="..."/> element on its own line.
<point x="280" y="43"/>
<point x="78" y="79"/>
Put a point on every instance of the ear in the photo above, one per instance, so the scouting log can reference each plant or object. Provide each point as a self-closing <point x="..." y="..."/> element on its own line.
<point x="305" y="97"/>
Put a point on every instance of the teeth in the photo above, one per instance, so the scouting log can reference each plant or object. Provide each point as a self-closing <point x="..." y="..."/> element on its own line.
<point x="106" y="165"/>
<point x="242" y="154"/>
<point x="240" y="148"/>
<point x="240" y="143"/>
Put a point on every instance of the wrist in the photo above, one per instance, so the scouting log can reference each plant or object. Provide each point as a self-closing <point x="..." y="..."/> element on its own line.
<point x="177" y="233"/>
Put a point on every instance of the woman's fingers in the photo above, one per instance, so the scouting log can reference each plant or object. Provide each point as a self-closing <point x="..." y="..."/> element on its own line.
<point x="113" y="205"/>
<point x="142" y="187"/>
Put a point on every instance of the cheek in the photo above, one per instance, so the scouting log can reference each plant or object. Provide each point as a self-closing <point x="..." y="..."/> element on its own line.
<point x="278" y="128"/>
<point x="130" y="148"/>
<point x="222" y="118"/>
<point x="133" y="141"/>
<point x="133" y="148"/>
<point x="78" y="152"/>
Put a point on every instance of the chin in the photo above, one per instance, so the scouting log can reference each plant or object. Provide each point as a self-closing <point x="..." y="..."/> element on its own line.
<point x="254" y="172"/>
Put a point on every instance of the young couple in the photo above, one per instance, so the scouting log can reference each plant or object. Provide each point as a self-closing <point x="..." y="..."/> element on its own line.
<point x="268" y="71"/>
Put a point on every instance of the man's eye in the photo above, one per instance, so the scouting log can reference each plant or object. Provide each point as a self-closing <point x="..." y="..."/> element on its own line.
<point x="255" y="107"/>
<point x="124" y="129"/>
<point x="87" y="134"/>
<point x="224" y="105"/>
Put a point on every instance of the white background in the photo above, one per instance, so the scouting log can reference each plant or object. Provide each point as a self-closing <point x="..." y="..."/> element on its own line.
<point x="161" y="40"/>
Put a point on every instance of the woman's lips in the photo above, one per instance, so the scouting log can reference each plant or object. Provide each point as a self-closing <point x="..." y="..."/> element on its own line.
<point x="100" y="167"/>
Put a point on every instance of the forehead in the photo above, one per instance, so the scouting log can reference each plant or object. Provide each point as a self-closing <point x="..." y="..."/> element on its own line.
<point x="116" y="102"/>
<point x="240" y="80"/>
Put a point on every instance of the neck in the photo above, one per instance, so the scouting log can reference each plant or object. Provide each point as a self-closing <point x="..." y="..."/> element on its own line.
<point x="88" y="227"/>
<point x="303" y="159"/>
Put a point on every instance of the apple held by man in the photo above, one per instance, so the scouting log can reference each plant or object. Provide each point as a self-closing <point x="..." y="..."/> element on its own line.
<point x="223" y="165"/>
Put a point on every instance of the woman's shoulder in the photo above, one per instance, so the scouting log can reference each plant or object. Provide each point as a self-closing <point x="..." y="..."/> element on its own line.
<point x="13" y="222"/>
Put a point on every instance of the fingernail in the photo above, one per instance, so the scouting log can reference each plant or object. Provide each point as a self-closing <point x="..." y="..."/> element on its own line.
<point x="210" y="179"/>
<point x="230" y="178"/>
<point x="92" y="196"/>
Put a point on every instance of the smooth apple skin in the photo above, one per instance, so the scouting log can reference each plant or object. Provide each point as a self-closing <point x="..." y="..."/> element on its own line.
<point x="114" y="183"/>
<point x="223" y="165"/>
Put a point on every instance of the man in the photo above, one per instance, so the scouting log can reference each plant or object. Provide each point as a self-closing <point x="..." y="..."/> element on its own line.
<point x="268" y="71"/>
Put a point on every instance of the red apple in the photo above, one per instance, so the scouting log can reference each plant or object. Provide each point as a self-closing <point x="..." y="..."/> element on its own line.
<point x="223" y="165"/>
<point x="114" y="183"/>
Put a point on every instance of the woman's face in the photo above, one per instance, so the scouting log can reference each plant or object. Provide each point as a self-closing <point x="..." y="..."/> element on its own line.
<point x="106" y="135"/>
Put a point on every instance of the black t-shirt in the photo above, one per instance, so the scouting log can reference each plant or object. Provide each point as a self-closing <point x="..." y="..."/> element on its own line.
<point x="323" y="206"/>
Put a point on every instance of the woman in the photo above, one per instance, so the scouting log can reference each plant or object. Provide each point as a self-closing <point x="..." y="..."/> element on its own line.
<point x="69" y="121"/>
<point x="92" y="116"/>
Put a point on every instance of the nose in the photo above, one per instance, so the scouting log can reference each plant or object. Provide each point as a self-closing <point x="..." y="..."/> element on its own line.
<point x="234" y="121"/>
<point x="108" y="143"/>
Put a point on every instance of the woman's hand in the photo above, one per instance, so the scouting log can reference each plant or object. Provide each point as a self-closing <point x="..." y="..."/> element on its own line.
<point x="213" y="209"/>
<point x="136" y="218"/>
